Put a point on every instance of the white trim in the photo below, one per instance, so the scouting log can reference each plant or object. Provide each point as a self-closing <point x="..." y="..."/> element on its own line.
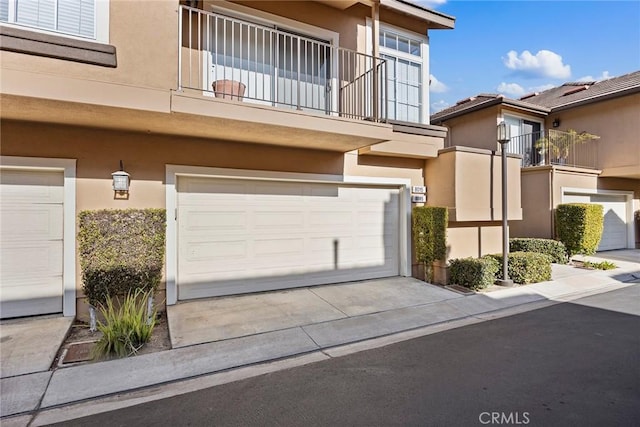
<point x="68" y="167"/>
<point x="629" y="205"/>
<point x="173" y="171"/>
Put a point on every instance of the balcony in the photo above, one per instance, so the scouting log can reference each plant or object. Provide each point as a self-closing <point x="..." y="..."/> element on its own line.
<point x="231" y="59"/>
<point x="553" y="147"/>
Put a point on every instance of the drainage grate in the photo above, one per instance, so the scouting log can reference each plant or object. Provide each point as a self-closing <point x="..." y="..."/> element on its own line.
<point x="78" y="352"/>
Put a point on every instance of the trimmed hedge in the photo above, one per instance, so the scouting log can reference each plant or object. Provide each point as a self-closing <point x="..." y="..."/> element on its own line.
<point x="525" y="267"/>
<point x="473" y="273"/>
<point x="121" y="251"/>
<point x="554" y="248"/>
<point x="430" y="233"/>
<point x="579" y="226"/>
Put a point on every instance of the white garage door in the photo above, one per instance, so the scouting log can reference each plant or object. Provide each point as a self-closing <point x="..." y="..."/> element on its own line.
<point x="237" y="236"/>
<point x="31" y="214"/>
<point x="614" y="235"/>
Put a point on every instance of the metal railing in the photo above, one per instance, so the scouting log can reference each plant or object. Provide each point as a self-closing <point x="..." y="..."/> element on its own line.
<point x="553" y="147"/>
<point x="235" y="59"/>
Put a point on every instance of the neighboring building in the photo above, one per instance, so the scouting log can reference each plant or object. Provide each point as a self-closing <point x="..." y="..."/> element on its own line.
<point x="283" y="138"/>
<point x="559" y="166"/>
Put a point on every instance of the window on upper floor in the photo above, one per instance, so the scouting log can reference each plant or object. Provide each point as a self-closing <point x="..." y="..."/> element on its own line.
<point x="405" y="58"/>
<point x="78" y="18"/>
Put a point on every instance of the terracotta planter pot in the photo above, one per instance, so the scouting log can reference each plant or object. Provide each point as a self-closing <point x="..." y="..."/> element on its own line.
<point x="228" y="89"/>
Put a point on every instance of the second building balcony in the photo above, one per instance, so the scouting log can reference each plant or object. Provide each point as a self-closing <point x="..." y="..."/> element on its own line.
<point x="553" y="147"/>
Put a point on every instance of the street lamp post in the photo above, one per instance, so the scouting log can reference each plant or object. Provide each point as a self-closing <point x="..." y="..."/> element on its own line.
<point x="503" y="138"/>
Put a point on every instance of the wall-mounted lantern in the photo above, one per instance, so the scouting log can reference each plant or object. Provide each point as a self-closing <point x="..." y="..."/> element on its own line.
<point x="120" y="180"/>
<point x="556" y="123"/>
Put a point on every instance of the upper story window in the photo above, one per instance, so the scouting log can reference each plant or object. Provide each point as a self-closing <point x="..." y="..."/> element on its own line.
<point x="71" y="17"/>
<point x="406" y="65"/>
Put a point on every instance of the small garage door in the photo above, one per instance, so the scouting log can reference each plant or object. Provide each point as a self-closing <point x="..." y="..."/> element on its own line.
<point x="614" y="235"/>
<point x="31" y="213"/>
<point x="238" y="236"/>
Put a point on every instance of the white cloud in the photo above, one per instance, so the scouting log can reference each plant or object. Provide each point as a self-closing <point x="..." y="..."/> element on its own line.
<point x="436" y="86"/>
<point x="439" y="106"/>
<point x="431" y="4"/>
<point x="512" y="89"/>
<point x="543" y="64"/>
<point x="604" y="76"/>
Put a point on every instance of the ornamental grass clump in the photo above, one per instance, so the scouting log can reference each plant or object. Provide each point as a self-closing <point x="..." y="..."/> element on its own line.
<point x="127" y="325"/>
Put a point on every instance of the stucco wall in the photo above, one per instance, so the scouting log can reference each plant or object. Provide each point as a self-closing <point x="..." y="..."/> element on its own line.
<point x="98" y="153"/>
<point x="145" y="35"/>
<point x="616" y="122"/>
<point x="476" y="129"/>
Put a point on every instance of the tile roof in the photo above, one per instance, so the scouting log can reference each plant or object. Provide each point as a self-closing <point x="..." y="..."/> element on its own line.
<point x="557" y="98"/>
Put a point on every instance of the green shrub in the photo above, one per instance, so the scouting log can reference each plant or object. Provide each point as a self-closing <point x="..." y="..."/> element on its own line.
<point x="579" y="226"/>
<point x="554" y="248"/>
<point x="126" y="328"/>
<point x="473" y="273"/>
<point x="120" y="251"/>
<point x="603" y="265"/>
<point x="525" y="267"/>
<point x="430" y="233"/>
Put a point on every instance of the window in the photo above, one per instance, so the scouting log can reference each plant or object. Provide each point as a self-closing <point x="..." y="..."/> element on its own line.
<point x="405" y="66"/>
<point x="72" y="17"/>
<point x="524" y="134"/>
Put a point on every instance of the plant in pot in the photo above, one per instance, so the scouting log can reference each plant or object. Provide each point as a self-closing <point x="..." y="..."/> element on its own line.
<point x="557" y="145"/>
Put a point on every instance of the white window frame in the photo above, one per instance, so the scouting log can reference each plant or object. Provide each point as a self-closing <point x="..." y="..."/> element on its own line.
<point x="101" y="23"/>
<point x="424" y="57"/>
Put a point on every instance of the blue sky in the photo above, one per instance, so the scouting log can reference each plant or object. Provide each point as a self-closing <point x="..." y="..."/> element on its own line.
<point x="519" y="47"/>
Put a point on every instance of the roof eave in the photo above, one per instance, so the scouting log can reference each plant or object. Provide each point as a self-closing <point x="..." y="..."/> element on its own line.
<point x="436" y="20"/>
<point x="603" y="97"/>
<point x="490" y="103"/>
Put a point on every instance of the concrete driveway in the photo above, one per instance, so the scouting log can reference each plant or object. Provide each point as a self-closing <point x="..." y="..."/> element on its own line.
<point x="30" y="345"/>
<point x="215" y="319"/>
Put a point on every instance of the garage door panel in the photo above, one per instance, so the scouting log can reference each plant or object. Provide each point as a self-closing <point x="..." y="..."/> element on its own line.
<point x="35" y="259"/>
<point x="29" y="187"/>
<point x="31" y="242"/>
<point x="37" y="222"/>
<point x="294" y="235"/>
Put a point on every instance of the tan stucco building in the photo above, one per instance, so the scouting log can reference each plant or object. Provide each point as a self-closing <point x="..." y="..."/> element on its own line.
<point x="558" y="164"/>
<point x="278" y="136"/>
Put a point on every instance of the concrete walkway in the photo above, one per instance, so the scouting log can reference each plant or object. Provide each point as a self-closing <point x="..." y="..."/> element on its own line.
<point x="215" y="335"/>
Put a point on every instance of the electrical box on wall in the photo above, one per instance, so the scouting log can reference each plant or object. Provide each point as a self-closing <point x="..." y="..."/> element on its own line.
<point x="418" y="198"/>
<point x="419" y="189"/>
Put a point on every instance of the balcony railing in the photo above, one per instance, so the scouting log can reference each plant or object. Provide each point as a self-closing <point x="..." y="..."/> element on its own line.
<point x="234" y="59"/>
<point x="553" y="147"/>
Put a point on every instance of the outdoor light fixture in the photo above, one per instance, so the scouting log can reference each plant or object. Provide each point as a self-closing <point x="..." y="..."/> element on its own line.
<point x="504" y="135"/>
<point x="120" y="180"/>
<point x="556" y="123"/>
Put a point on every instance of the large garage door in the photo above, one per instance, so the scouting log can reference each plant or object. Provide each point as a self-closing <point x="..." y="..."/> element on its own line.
<point x="614" y="235"/>
<point x="31" y="214"/>
<point x="237" y="236"/>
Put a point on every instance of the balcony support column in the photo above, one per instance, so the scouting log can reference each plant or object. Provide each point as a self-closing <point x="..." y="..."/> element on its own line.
<point x="375" y="43"/>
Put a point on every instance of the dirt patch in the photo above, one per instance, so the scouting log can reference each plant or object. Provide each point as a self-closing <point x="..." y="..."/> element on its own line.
<point x="76" y="348"/>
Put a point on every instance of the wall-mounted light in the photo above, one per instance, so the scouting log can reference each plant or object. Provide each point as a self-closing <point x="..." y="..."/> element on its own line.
<point x="556" y="123"/>
<point x="120" y="180"/>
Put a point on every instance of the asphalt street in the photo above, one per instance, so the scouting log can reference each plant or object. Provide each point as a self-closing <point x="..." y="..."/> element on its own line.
<point x="571" y="364"/>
